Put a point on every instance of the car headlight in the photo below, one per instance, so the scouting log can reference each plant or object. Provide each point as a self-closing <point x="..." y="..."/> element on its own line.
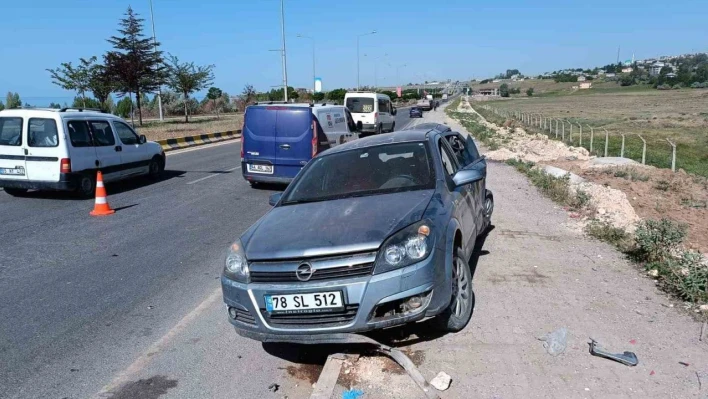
<point x="236" y="264"/>
<point x="409" y="245"/>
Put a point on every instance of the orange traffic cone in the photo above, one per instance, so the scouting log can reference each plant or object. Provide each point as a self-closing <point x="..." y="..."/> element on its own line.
<point x="101" y="208"/>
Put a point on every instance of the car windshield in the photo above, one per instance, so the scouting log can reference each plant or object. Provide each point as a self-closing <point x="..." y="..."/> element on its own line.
<point x="360" y="105"/>
<point x="365" y="171"/>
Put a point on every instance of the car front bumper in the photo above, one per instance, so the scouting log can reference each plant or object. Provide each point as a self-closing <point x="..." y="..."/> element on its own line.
<point x="365" y="293"/>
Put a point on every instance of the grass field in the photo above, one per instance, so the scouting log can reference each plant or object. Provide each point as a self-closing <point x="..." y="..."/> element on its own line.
<point x="679" y="115"/>
<point x="155" y="130"/>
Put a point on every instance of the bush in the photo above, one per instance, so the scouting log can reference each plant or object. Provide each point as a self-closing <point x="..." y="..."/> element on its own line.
<point x="504" y="90"/>
<point x="698" y="85"/>
<point x="677" y="86"/>
<point x="656" y="240"/>
<point x="663" y="87"/>
<point x="604" y="231"/>
<point x="686" y="276"/>
<point x="529" y="92"/>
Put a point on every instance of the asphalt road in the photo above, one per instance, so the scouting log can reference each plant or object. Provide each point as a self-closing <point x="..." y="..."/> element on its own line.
<point x="90" y="304"/>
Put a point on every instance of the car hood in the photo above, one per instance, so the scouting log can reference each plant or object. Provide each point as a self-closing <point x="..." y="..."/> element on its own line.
<point x="333" y="227"/>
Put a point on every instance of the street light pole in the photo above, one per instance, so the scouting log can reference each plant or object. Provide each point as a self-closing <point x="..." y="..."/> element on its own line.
<point x="154" y="42"/>
<point x="357" y="56"/>
<point x="285" y="67"/>
<point x="314" y="75"/>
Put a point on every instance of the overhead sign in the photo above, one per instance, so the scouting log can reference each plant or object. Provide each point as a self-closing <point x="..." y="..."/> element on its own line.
<point x="398" y="91"/>
<point x="318" y="85"/>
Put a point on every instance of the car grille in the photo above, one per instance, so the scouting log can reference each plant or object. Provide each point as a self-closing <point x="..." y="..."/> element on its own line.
<point x="312" y="320"/>
<point x="319" y="274"/>
<point x="244" y="316"/>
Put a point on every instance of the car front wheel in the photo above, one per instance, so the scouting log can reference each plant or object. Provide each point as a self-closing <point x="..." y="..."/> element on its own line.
<point x="488" y="208"/>
<point x="459" y="313"/>
<point x="156" y="168"/>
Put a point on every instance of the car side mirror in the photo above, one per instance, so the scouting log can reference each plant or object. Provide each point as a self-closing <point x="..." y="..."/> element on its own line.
<point x="274" y="199"/>
<point x="143" y="139"/>
<point x="394" y="111"/>
<point x="473" y="173"/>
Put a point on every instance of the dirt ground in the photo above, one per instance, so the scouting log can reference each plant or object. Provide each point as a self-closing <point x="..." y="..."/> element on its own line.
<point x="535" y="274"/>
<point x="170" y="129"/>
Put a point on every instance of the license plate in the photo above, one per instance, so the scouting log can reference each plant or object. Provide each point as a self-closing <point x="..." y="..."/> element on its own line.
<point x="15" y="172"/>
<point x="268" y="169"/>
<point x="304" y="303"/>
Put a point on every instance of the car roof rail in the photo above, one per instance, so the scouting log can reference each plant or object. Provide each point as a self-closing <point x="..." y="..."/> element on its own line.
<point x="81" y="109"/>
<point x="323" y="104"/>
<point x="271" y="102"/>
<point x="35" y="108"/>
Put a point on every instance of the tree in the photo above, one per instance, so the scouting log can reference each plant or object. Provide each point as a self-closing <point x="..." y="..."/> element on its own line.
<point x="626" y="80"/>
<point x="504" y="90"/>
<point x="134" y="65"/>
<point x="186" y="78"/>
<point x="124" y="107"/>
<point x="317" y="97"/>
<point x="101" y="85"/>
<point x="81" y="102"/>
<point x="2" y="106"/>
<point x="337" y="95"/>
<point x="12" y="100"/>
<point x="248" y="94"/>
<point x="529" y="92"/>
<point x="214" y="94"/>
<point x="76" y="78"/>
<point x="277" y="94"/>
<point x="390" y="94"/>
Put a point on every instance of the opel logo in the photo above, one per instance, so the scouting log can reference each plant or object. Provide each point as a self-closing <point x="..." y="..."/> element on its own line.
<point x="304" y="272"/>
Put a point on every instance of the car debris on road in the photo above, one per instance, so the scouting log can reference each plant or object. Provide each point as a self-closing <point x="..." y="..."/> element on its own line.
<point x="626" y="358"/>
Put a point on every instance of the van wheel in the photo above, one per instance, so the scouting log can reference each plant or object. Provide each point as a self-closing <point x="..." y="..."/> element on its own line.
<point x="393" y="127"/>
<point x="15" y="192"/>
<point x="379" y="129"/>
<point x="155" y="168"/>
<point x="87" y="186"/>
<point x="459" y="313"/>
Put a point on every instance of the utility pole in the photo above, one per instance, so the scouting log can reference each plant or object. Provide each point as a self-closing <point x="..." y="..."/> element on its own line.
<point x="154" y="42"/>
<point x="285" y="66"/>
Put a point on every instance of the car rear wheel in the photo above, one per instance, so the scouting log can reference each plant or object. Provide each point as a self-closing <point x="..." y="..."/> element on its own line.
<point x="459" y="313"/>
<point x="488" y="208"/>
<point x="15" y="192"/>
<point x="379" y="129"/>
<point x="393" y="127"/>
<point x="87" y="186"/>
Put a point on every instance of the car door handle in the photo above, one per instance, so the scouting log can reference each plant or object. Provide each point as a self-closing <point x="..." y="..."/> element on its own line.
<point x="285" y="146"/>
<point x="119" y="148"/>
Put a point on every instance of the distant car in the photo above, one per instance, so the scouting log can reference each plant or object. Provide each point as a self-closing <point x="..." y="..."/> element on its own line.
<point x="416" y="112"/>
<point x="61" y="149"/>
<point x="277" y="140"/>
<point x="371" y="234"/>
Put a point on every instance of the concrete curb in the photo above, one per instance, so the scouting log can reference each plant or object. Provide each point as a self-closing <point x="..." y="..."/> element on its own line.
<point x="201" y="139"/>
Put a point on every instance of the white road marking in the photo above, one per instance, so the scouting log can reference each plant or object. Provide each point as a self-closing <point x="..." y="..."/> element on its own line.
<point x="143" y="360"/>
<point x="214" y="175"/>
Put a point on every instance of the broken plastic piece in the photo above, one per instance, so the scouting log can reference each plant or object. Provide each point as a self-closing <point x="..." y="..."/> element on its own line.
<point x="626" y="358"/>
<point x="352" y="394"/>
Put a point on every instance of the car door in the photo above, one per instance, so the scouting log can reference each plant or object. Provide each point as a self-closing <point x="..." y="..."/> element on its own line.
<point x="12" y="148"/>
<point x="385" y="114"/>
<point x="82" y="149"/>
<point x="352" y="132"/>
<point x="134" y="158"/>
<point x="462" y="200"/>
<point x="107" y="150"/>
<point x="468" y="156"/>
<point x="43" y="155"/>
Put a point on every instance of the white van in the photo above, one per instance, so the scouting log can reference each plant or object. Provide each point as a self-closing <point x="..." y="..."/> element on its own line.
<point x="61" y="149"/>
<point x="337" y="123"/>
<point x="373" y="110"/>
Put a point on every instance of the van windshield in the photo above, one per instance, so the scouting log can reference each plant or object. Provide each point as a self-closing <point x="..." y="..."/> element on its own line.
<point x="360" y="105"/>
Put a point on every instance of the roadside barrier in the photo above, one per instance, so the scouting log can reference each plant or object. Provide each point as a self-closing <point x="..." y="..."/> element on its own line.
<point x="201" y="139"/>
<point x="101" y="207"/>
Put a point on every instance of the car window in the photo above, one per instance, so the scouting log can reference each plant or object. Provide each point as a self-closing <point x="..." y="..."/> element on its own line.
<point x="360" y="105"/>
<point x="10" y="131"/>
<point x="364" y="171"/>
<point x="447" y="159"/>
<point x="42" y="132"/>
<point x="79" y="134"/>
<point x="383" y="105"/>
<point x="102" y="133"/>
<point x="126" y="134"/>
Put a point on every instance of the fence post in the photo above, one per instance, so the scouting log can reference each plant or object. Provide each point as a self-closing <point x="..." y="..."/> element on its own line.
<point x="550" y="126"/>
<point x="644" y="150"/>
<point x="673" y="155"/>
<point x="581" y="134"/>
<point x="607" y="140"/>
<point x="563" y="130"/>
<point x="622" y="150"/>
<point x="571" y="132"/>
<point x="592" y="134"/>
<point x="556" y="128"/>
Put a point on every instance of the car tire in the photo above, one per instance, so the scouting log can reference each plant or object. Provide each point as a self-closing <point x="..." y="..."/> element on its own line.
<point x="488" y="209"/>
<point x="379" y="129"/>
<point x="155" y="168"/>
<point x="459" y="312"/>
<point x="15" y="192"/>
<point x="393" y="127"/>
<point x="87" y="186"/>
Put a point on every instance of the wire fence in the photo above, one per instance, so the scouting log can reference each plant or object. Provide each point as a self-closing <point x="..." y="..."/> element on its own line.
<point x="597" y="140"/>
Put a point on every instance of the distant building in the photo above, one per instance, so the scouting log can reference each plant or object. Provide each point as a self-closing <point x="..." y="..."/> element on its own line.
<point x="586" y="85"/>
<point x="655" y="69"/>
<point x="496" y="81"/>
<point x="671" y="75"/>
<point x="581" y="78"/>
<point x="610" y="75"/>
<point x="601" y="72"/>
<point x="627" y="69"/>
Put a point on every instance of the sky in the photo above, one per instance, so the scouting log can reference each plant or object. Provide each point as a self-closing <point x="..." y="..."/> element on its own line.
<point x="434" y="39"/>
